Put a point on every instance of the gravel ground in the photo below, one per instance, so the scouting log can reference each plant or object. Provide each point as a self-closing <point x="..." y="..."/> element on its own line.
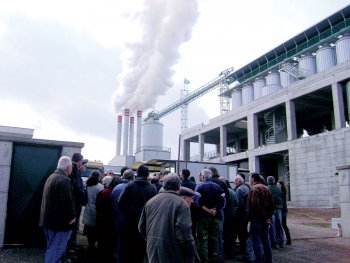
<point x="313" y="240"/>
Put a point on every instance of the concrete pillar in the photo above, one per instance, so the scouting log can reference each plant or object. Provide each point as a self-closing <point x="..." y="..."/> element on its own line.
<point x="200" y="147"/>
<point x="223" y="141"/>
<point x="253" y="131"/>
<point x="291" y="121"/>
<point x="254" y="165"/>
<point x="185" y="148"/>
<point x="237" y="145"/>
<point x="5" y="169"/>
<point x="344" y="191"/>
<point x="338" y="105"/>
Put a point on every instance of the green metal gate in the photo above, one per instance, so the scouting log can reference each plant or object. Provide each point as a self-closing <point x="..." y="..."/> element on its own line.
<point x="31" y="165"/>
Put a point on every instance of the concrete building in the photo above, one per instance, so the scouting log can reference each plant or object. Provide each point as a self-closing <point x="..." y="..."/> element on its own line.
<point x="290" y="114"/>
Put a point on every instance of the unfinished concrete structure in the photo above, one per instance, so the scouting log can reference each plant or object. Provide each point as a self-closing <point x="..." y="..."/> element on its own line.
<point x="290" y="109"/>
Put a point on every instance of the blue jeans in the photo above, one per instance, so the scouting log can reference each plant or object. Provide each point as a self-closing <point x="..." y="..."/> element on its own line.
<point x="259" y="230"/>
<point x="276" y="230"/>
<point x="56" y="245"/>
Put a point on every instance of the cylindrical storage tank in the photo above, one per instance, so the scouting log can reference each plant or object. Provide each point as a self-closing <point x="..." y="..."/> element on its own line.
<point x="258" y="85"/>
<point x="138" y="129"/>
<point x="273" y="78"/>
<point x="152" y="134"/>
<point x="307" y="63"/>
<point x="131" y="136"/>
<point x="342" y="48"/>
<point x="286" y="79"/>
<point x="325" y="58"/>
<point x="247" y="93"/>
<point x="119" y="135"/>
<point x="268" y="89"/>
<point x="125" y="132"/>
<point x="236" y="98"/>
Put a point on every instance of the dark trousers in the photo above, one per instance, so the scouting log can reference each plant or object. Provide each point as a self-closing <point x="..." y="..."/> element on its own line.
<point x="132" y="244"/>
<point x="240" y="230"/>
<point x="73" y="237"/>
<point x="286" y="229"/>
<point x="259" y="230"/>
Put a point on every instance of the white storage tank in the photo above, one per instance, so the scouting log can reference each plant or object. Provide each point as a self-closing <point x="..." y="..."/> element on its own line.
<point x="152" y="133"/>
<point x="286" y="79"/>
<point x="268" y="89"/>
<point x="342" y="47"/>
<point x="236" y="98"/>
<point x="273" y="78"/>
<point x="247" y="93"/>
<point x="259" y="83"/>
<point x="307" y="63"/>
<point x="325" y="57"/>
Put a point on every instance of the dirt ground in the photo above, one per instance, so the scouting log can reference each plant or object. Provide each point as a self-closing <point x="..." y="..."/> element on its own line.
<point x="317" y="217"/>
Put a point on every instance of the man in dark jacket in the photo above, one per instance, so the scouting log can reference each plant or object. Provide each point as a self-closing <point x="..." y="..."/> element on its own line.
<point x="260" y="204"/>
<point x="166" y="225"/>
<point x="57" y="214"/>
<point x="210" y="203"/>
<point x="276" y="230"/>
<point x="131" y="202"/>
<point x="79" y="195"/>
<point x="185" y="182"/>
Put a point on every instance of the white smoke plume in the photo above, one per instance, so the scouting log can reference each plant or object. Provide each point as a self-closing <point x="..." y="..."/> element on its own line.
<point x="147" y="63"/>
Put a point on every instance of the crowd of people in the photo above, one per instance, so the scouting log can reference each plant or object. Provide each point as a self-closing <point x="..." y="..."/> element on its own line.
<point x="164" y="216"/>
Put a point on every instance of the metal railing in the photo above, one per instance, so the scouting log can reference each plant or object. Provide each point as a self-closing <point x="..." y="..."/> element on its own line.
<point x="153" y="148"/>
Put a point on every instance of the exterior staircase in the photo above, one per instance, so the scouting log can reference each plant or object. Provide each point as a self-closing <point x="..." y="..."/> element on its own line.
<point x="294" y="71"/>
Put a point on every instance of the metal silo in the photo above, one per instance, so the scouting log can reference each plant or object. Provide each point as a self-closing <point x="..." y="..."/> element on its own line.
<point x="247" y="93"/>
<point x="236" y="98"/>
<point x="273" y="83"/>
<point x="342" y="47"/>
<point x="307" y="63"/>
<point x="152" y="134"/>
<point x="286" y="79"/>
<point x="273" y="78"/>
<point x="258" y="85"/>
<point x="325" y="58"/>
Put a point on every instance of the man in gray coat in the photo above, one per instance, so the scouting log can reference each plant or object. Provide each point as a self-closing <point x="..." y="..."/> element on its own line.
<point x="166" y="225"/>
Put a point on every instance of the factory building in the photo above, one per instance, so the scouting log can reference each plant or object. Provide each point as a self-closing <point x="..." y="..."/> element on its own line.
<point x="290" y="114"/>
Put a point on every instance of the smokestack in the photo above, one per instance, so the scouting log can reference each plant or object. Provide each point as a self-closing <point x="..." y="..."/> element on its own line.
<point x="131" y="136"/>
<point x="119" y="134"/>
<point x="138" y="129"/>
<point x="125" y="133"/>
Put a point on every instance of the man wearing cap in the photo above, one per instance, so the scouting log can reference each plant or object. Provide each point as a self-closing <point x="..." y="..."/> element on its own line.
<point x="165" y="223"/>
<point x="57" y="213"/>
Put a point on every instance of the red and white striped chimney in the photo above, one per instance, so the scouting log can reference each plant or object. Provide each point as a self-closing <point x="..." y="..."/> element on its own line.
<point x="125" y="133"/>
<point x="119" y="134"/>
<point x="138" y="129"/>
<point x="131" y="136"/>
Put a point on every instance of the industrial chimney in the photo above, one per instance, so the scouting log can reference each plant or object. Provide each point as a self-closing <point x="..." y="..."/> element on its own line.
<point x="131" y="136"/>
<point x="119" y="134"/>
<point x="125" y="133"/>
<point x="138" y="130"/>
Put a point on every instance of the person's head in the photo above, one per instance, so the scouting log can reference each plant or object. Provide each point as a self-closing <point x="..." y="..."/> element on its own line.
<point x="142" y="171"/>
<point x="128" y="174"/>
<point x="207" y="174"/>
<point x="262" y="180"/>
<point x="93" y="178"/>
<point x="83" y="168"/>
<point x="185" y="173"/>
<point x="214" y="171"/>
<point x="171" y="181"/>
<point x="192" y="179"/>
<point x="123" y="169"/>
<point x="271" y="180"/>
<point x="225" y="181"/>
<point x="77" y="158"/>
<point x="102" y="174"/>
<point x="254" y="178"/>
<point x="106" y="180"/>
<point x="238" y="180"/>
<point x="110" y="172"/>
<point x="187" y="194"/>
<point x="65" y="164"/>
<point x="283" y="186"/>
<point x="242" y="175"/>
<point x="114" y="182"/>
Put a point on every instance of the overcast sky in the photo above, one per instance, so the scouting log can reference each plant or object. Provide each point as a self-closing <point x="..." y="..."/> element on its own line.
<point x="60" y="60"/>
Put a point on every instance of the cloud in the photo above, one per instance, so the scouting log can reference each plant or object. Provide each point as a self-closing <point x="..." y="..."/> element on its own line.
<point x="66" y="76"/>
